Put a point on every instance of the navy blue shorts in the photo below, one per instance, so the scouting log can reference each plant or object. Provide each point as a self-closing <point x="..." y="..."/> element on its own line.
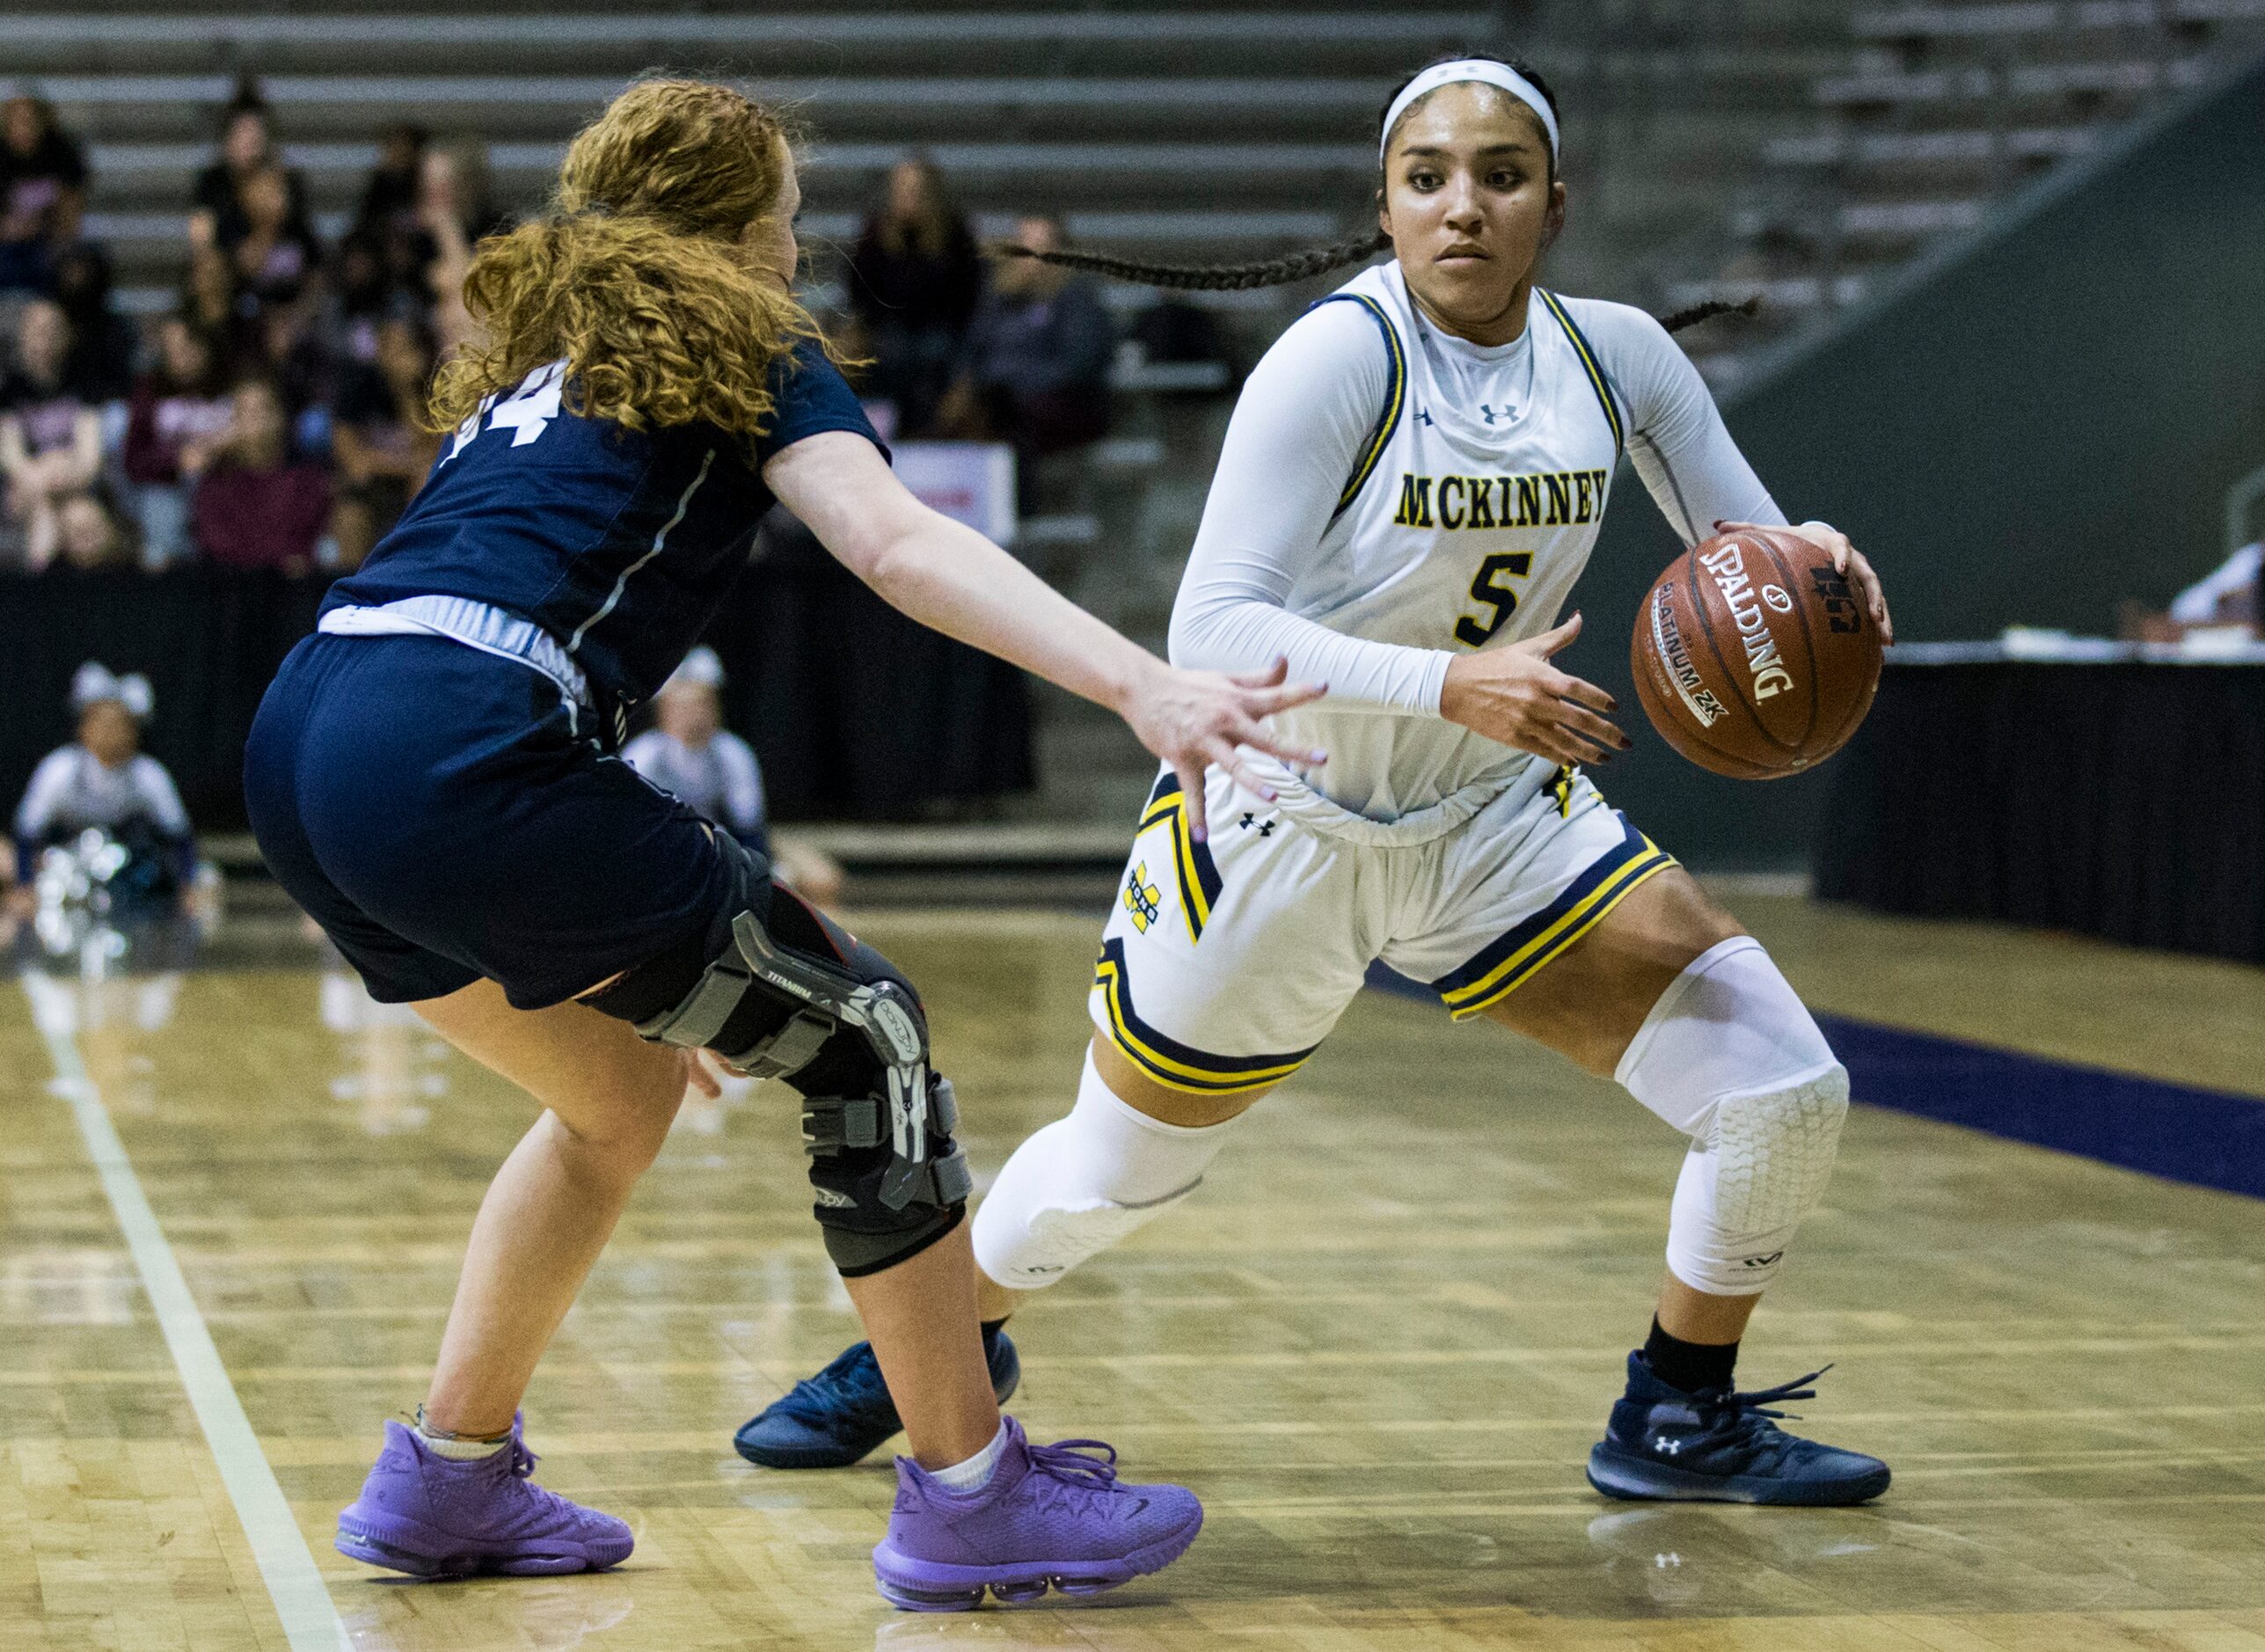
<point x="436" y="810"/>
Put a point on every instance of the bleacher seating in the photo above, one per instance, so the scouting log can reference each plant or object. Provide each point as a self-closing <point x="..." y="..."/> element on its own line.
<point x="1181" y="130"/>
<point x="1937" y="115"/>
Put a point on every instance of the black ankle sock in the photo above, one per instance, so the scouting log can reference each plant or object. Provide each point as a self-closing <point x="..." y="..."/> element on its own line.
<point x="1690" y="1366"/>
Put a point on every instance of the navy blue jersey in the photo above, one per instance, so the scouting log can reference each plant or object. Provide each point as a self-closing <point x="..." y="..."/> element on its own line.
<point x="619" y="543"/>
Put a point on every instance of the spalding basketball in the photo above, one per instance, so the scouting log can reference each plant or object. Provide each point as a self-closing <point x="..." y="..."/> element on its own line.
<point x="1753" y="657"/>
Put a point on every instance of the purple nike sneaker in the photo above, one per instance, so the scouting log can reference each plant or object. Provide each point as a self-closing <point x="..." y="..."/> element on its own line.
<point x="1051" y="1517"/>
<point x="435" y="1517"/>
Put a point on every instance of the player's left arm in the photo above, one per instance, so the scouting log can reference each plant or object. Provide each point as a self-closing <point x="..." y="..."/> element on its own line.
<point x="951" y="579"/>
<point x="1685" y="453"/>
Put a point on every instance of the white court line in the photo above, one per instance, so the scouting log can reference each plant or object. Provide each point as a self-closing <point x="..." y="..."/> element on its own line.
<point x="310" y="1619"/>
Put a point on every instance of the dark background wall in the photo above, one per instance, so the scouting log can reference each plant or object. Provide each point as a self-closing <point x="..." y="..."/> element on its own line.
<point x="2042" y="421"/>
<point x="856" y="712"/>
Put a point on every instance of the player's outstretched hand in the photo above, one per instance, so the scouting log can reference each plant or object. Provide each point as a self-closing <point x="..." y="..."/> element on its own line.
<point x="1515" y="695"/>
<point x="1195" y="719"/>
<point x="1847" y="561"/>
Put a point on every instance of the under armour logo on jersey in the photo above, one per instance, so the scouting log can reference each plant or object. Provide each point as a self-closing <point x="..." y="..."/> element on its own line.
<point x="1423" y="415"/>
<point x="1492" y="413"/>
<point x="1264" y="828"/>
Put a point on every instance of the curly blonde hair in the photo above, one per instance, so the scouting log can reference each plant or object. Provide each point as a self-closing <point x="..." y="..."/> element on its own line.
<point x="635" y="275"/>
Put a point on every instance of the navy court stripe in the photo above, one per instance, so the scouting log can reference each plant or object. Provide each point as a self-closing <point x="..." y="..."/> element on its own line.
<point x="2207" y="1138"/>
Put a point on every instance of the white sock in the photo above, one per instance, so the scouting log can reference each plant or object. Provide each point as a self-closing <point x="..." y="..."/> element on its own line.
<point x="457" y="1448"/>
<point x="975" y="1472"/>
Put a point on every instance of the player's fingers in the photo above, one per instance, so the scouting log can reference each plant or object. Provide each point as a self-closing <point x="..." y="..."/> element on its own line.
<point x="1565" y="686"/>
<point x="1592" y="727"/>
<point x="1233" y="759"/>
<point x="1265" y="702"/>
<point x="1188" y="770"/>
<point x="1837" y="546"/>
<point x="1877" y="596"/>
<point x="1559" y="747"/>
<point x="1278" y="672"/>
<point x="1259" y="737"/>
<point x="701" y="1075"/>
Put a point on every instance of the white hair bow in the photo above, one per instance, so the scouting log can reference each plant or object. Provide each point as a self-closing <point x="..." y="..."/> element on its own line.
<point x="93" y="681"/>
<point x="701" y="668"/>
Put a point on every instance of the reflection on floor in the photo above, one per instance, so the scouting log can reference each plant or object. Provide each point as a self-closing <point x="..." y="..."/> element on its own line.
<point x="1379" y="1342"/>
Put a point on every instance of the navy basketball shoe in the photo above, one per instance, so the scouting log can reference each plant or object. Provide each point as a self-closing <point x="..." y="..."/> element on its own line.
<point x="1718" y="1446"/>
<point x="833" y="1418"/>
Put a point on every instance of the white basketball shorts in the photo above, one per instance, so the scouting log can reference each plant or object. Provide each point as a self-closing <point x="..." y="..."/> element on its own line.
<point x="1225" y="964"/>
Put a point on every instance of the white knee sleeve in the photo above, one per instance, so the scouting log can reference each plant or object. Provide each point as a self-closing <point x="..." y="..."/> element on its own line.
<point x="1086" y="1182"/>
<point x="1729" y="1057"/>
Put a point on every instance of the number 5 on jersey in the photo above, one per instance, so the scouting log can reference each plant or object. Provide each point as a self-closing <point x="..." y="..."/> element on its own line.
<point x="1487" y="589"/>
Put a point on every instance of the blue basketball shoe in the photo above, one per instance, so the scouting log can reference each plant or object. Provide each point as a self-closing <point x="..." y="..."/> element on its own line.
<point x="1718" y="1446"/>
<point x="833" y="1418"/>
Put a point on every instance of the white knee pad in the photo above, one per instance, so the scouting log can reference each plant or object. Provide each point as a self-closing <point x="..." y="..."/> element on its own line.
<point x="1084" y="1183"/>
<point x="1729" y="1057"/>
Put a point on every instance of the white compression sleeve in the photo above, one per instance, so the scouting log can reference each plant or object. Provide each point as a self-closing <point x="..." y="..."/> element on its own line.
<point x="1296" y="430"/>
<point x="1084" y="1183"/>
<point x="1730" y="1057"/>
<point x="1678" y="441"/>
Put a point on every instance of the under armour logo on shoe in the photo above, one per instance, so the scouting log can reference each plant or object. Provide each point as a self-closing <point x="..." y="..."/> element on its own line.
<point x="1666" y="1447"/>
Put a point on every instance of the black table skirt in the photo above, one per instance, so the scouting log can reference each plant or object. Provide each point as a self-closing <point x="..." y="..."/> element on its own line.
<point x="2125" y="801"/>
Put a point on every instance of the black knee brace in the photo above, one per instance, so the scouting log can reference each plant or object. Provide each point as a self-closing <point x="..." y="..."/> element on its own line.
<point x="780" y="992"/>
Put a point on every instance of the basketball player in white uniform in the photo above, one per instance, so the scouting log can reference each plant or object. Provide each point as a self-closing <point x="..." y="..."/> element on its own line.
<point x="1411" y="485"/>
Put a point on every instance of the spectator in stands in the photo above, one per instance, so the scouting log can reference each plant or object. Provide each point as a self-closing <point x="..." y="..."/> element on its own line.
<point x="276" y="254"/>
<point x="381" y="266"/>
<point x="247" y="146"/>
<point x="454" y="214"/>
<point x="89" y="534"/>
<point x="378" y="439"/>
<point x="257" y="506"/>
<point x="100" y="365"/>
<point x="208" y="300"/>
<point x="50" y="437"/>
<point x="914" y="283"/>
<point x="360" y="293"/>
<point x="1034" y="370"/>
<point x="105" y="781"/>
<point x="2229" y="599"/>
<point x="389" y="198"/>
<point x="690" y="754"/>
<point x="178" y="417"/>
<point x="42" y="192"/>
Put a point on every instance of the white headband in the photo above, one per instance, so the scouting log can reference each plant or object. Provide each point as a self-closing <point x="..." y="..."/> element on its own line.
<point x="1481" y="68"/>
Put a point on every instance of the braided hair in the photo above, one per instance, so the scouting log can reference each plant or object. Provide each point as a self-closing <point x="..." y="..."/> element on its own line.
<point x="1318" y="260"/>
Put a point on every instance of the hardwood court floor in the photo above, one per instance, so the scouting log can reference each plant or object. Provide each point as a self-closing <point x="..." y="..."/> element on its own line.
<point x="1379" y="1343"/>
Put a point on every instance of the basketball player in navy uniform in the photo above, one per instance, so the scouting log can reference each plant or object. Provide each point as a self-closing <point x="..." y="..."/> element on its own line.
<point x="1410" y="487"/>
<point x="429" y="776"/>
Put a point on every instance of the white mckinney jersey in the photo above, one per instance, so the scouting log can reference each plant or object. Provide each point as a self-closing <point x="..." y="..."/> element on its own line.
<point x="1389" y="496"/>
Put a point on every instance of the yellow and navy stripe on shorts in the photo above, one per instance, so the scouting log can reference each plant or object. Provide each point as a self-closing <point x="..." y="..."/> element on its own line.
<point x="1594" y="367"/>
<point x="1505" y="965"/>
<point x="1198" y="874"/>
<point x="1172" y="1064"/>
<point x="1380" y="434"/>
